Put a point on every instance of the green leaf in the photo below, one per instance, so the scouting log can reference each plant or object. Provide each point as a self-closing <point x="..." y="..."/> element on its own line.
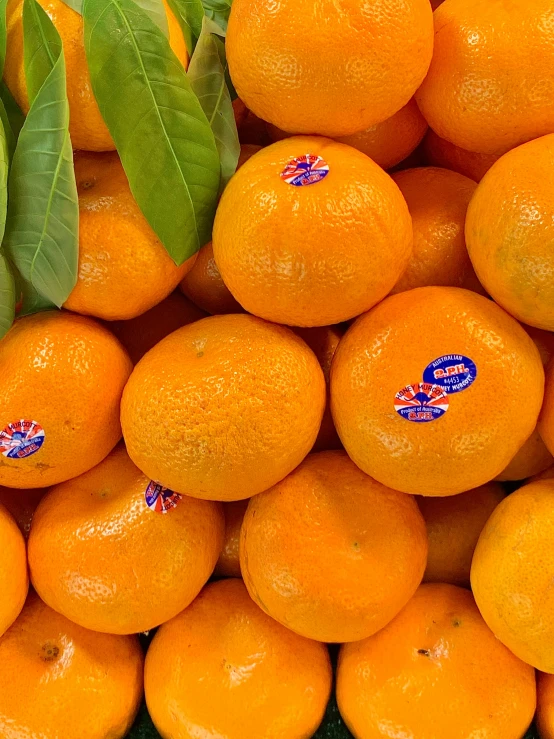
<point x="153" y="8"/>
<point x="3" y="34"/>
<point x="43" y="212"/>
<point x="218" y="11"/>
<point x="12" y="119"/>
<point x="76" y="5"/>
<point x="7" y="296"/>
<point x="190" y="14"/>
<point x="42" y="46"/>
<point x="163" y="137"/>
<point x="207" y="77"/>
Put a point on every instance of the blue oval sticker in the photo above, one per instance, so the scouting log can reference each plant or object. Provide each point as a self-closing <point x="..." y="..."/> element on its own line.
<point x="453" y="372"/>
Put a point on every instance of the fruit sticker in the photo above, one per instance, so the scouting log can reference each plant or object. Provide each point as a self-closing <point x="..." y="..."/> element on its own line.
<point x="421" y="402"/>
<point x="305" y="170"/>
<point x="453" y="372"/>
<point x="21" y="439"/>
<point x="160" y="499"/>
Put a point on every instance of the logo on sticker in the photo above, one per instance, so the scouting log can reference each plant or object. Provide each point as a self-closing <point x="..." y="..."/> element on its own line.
<point x="421" y="402"/>
<point x="21" y="438"/>
<point x="305" y="170"/>
<point x="160" y="499"/>
<point x="453" y="372"/>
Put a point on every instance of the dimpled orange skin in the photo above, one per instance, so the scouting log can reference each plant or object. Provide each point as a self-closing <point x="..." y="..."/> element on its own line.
<point x="60" y="680"/>
<point x="61" y="355"/>
<point x="140" y="334"/>
<point x="545" y="705"/>
<point x="512" y="572"/>
<point x="22" y="504"/>
<point x="390" y="347"/>
<point x="489" y="86"/>
<point x="441" y="153"/>
<point x="86" y="126"/>
<point x="101" y="557"/>
<point x="510" y="232"/>
<point x="223" y="668"/>
<point x="330" y="553"/>
<point x="223" y="408"/>
<point x="453" y="527"/>
<point x="531" y="459"/>
<point x="205" y="287"/>
<point x="435" y="671"/>
<point x="375" y="57"/>
<point x="228" y="564"/>
<point x="437" y="200"/>
<point x="124" y="269"/>
<point x="14" y="582"/>
<point x="314" y="255"/>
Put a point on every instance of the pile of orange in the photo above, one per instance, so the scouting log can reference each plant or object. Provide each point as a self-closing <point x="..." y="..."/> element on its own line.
<point x="332" y="425"/>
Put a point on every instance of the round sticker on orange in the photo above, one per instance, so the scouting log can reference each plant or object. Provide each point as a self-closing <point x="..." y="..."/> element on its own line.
<point x="421" y="402"/>
<point x="160" y="499"/>
<point x="305" y="170"/>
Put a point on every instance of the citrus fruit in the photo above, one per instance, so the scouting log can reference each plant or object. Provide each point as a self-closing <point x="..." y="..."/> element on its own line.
<point x="22" y="504"/>
<point x="441" y="153"/>
<point x="334" y="241"/>
<point x="86" y="127"/>
<point x="205" y="287"/>
<point x="129" y="555"/>
<point x="512" y="573"/>
<point x="63" y="379"/>
<point x="14" y="582"/>
<point x="138" y="335"/>
<point x="223" y="667"/>
<point x="489" y="86"/>
<point x="531" y="459"/>
<point x="435" y="671"/>
<point x="437" y="200"/>
<point x="60" y="680"/>
<point x="123" y="267"/>
<point x="546" y="420"/>
<point x="453" y="527"/>
<point x="352" y="85"/>
<point x="329" y="552"/>
<point x="323" y="341"/>
<point x="223" y="408"/>
<point x="228" y="564"/>
<point x="544" y="341"/>
<point x="545" y="705"/>
<point x="414" y="390"/>
<point x="509" y="232"/>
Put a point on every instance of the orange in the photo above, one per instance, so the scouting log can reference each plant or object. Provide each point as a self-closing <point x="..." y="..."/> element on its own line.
<point x="544" y="341"/>
<point x="330" y="553"/>
<point x="435" y="671"/>
<point x="512" y="573"/>
<point x="223" y="668"/>
<point x="60" y="680"/>
<point x="87" y="128"/>
<point x="22" y="504"/>
<point x="223" y="408"/>
<point x="123" y="268"/>
<point x="317" y="254"/>
<point x="205" y="287"/>
<point x="437" y="200"/>
<point x="546" y="420"/>
<point x="545" y="705"/>
<point x="228" y="564"/>
<point x="489" y="86"/>
<point x="441" y="153"/>
<point x="453" y="526"/>
<point x="63" y="379"/>
<point x="371" y="60"/>
<point x="390" y="396"/>
<point x="115" y="552"/>
<point x="387" y="142"/>
<point x="510" y="232"/>
<point x="14" y="582"/>
<point x="323" y="341"/>
<point x="140" y="334"/>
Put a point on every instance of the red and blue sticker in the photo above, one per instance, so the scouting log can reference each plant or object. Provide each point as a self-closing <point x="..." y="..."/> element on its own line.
<point x="305" y="170"/>
<point x="21" y="439"/>
<point x="160" y="499"/>
<point x="453" y="372"/>
<point x="421" y="402"/>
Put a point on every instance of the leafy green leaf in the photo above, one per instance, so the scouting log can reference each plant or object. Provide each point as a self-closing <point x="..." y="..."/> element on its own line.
<point x="76" y="5"/>
<point x="190" y="14"/>
<point x="43" y="212"/>
<point x="42" y="46"/>
<point x="12" y="119"/>
<point x="7" y="295"/>
<point x="207" y="77"/>
<point x="163" y="137"/>
<point x="218" y="11"/>
<point x="153" y="8"/>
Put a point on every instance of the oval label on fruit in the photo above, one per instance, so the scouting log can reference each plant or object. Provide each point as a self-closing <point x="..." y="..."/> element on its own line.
<point x="21" y="439"/>
<point x="421" y="402"/>
<point x="453" y="372"/>
<point x="160" y="499"/>
<point x="305" y="170"/>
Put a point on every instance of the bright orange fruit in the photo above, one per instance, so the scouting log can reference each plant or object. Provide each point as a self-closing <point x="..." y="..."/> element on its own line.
<point x="545" y="705"/>
<point x="14" y="582"/>
<point x="22" y="504"/>
<point x="205" y="287"/>
<point x="228" y="564"/>
<point x="441" y="153"/>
